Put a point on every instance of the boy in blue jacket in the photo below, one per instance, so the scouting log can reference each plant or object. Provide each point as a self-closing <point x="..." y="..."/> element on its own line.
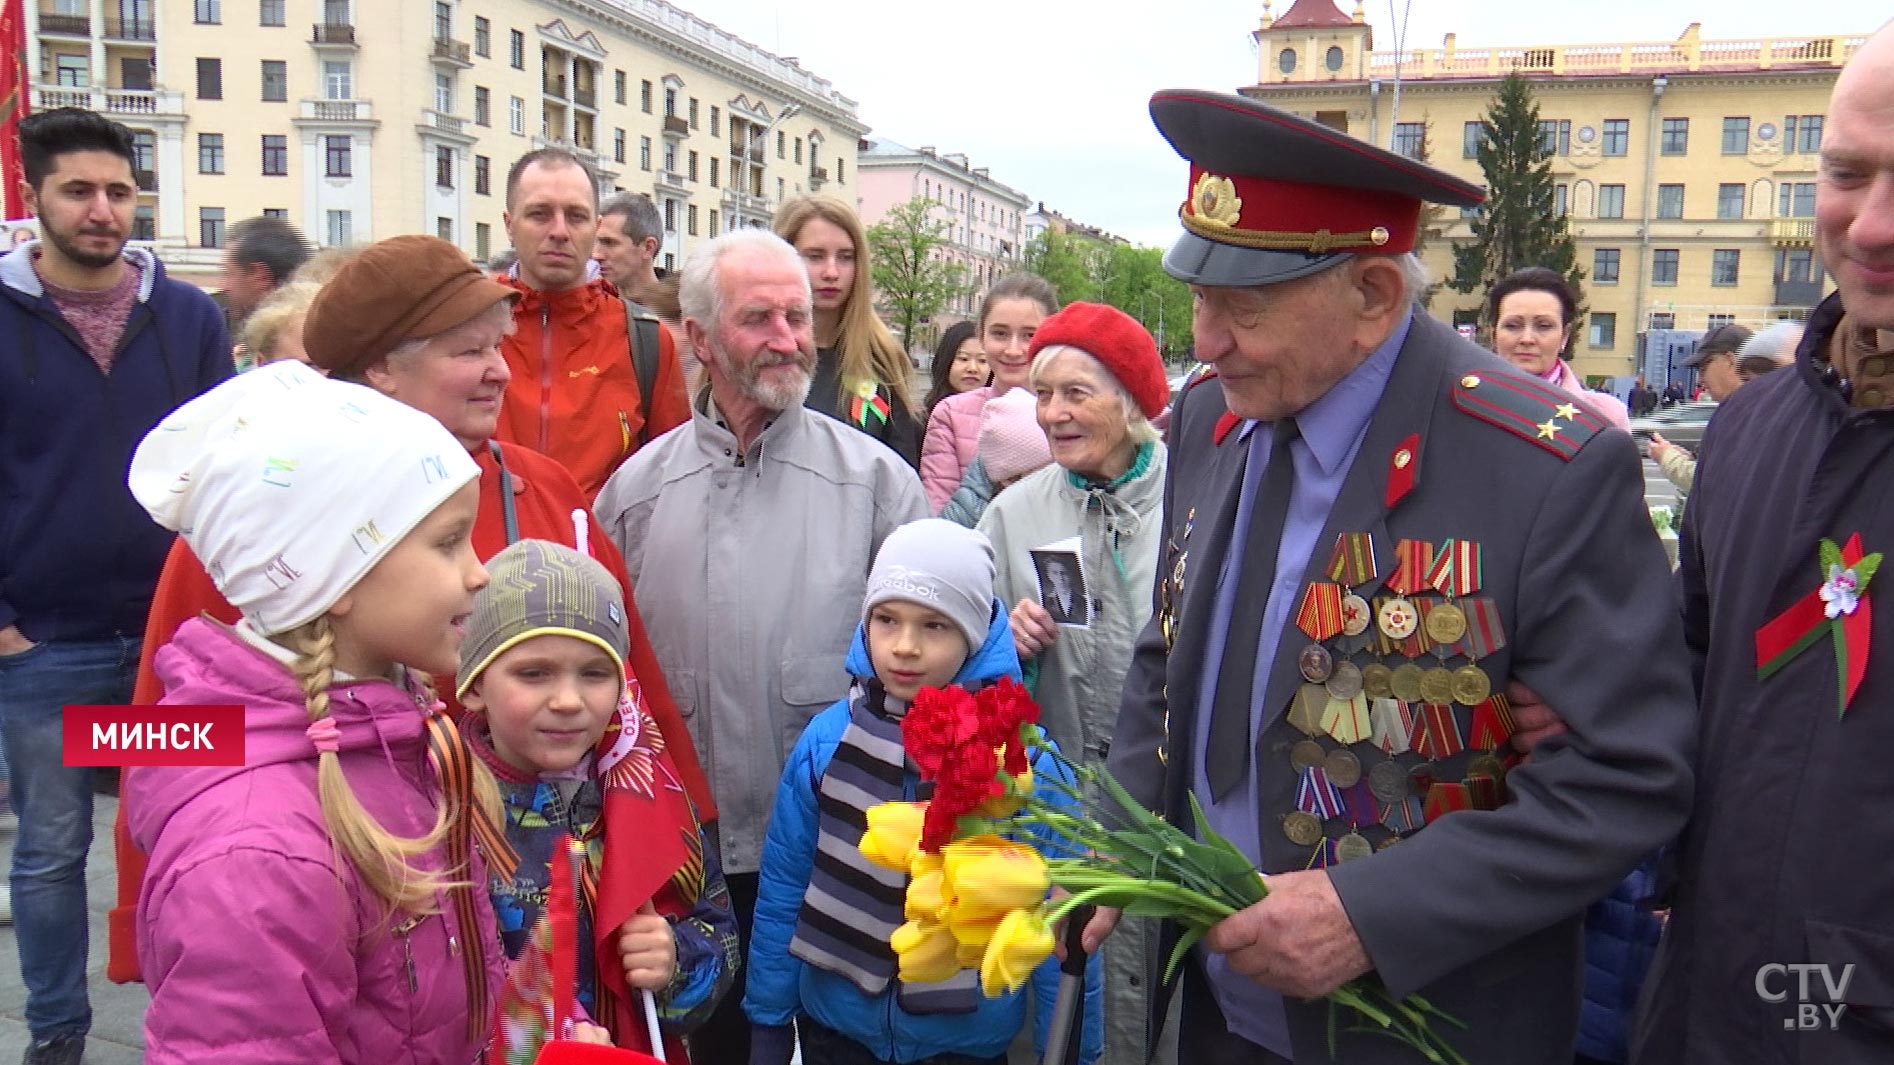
<point x="819" y="954"/>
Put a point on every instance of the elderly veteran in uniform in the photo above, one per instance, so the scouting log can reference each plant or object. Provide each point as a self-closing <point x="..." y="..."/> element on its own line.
<point x="1371" y="526"/>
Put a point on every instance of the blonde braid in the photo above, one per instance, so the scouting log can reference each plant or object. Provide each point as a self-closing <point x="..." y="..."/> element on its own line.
<point x="384" y="860"/>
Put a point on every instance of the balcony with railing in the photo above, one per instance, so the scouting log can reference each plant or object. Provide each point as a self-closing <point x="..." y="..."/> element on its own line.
<point x="113" y="102"/>
<point x="585" y="96"/>
<point x="333" y="35"/>
<point x="818" y="177"/>
<point x="1687" y="54"/>
<point x="331" y="111"/>
<point x="1792" y="232"/>
<point x="555" y="86"/>
<point x="65" y="25"/>
<point x="1798" y="293"/>
<point x="451" y="53"/>
<point x="675" y="126"/>
<point x="128" y="29"/>
<point x="447" y="123"/>
<point x="673" y="182"/>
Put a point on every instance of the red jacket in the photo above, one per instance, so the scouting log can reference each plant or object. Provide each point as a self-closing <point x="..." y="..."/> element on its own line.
<point x="544" y="497"/>
<point x="574" y="393"/>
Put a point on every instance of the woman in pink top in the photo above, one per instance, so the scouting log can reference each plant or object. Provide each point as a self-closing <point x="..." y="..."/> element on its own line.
<point x="1009" y="316"/>
<point x="1532" y="311"/>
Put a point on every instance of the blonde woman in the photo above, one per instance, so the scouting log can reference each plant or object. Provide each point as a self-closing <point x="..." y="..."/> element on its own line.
<point x="274" y="331"/>
<point x="862" y="376"/>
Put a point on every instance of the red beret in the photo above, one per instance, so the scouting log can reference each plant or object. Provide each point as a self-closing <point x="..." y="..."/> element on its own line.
<point x="1116" y="339"/>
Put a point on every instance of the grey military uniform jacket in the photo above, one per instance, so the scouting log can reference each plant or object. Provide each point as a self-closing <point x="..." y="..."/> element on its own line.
<point x="1481" y="910"/>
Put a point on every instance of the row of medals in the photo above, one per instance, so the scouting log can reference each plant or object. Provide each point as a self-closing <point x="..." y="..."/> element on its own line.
<point x="1330" y="678"/>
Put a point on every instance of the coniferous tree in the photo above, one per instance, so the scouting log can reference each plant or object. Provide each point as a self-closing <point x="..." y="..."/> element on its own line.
<point x="1519" y="226"/>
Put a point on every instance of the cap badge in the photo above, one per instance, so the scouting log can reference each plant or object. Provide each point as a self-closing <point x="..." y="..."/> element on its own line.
<point x="1215" y="200"/>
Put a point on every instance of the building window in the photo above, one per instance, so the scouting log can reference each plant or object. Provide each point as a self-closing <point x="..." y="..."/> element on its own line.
<point x="644" y="153"/>
<point x="1286" y="61"/>
<point x="444" y="93"/>
<point x="716" y="121"/>
<point x="208" y="12"/>
<point x="483" y="106"/>
<point x="144" y="223"/>
<point x="618" y="87"/>
<point x="338" y="229"/>
<point x="1617" y="139"/>
<point x="1721" y="319"/>
<point x="1795" y="199"/>
<point x="1725" y="265"/>
<point x="516" y="116"/>
<point x="670" y="216"/>
<point x="275" y="81"/>
<point x="483" y="37"/>
<point x="1604" y="266"/>
<point x="338" y="80"/>
<point x="670" y="102"/>
<point x="1729" y="201"/>
<point x="483" y="241"/>
<point x="1334" y="60"/>
<point x="1472" y="135"/>
<point x="1675" y="137"/>
<point x="693" y="112"/>
<point x="275" y="155"/>
<point x="713" y="171"/>
<point x="210" y="153"/>
<point x="444" y="227"/>
<point x="338" y="154"/>
<point x="644" y="96"/>
<point x="1555" y="136"/>
<point x="690" y="219"/>
<point x="1670" y="201"/>
<point x="210" y="227"/>
<point x="798" y="151"/>
<point x="715" y="219"/>
<point x="144" y="152"/>
<point x="443" y="167"/>
<point x="1604" y="330"/>
<point x="618" y="145"/>
<point x="838" y="169"/>
<point x="210" y="79"/>
<point x="72" y="71"/>
<point x="483" y="176"/>
<point x="1664" y="266"/>
<point x="1561" y="199"/>
<point x="1611" y="201"/>
<point x="1795" y="266"/>
<point x="1736" y="136"/>
<point x="270" y="13"/>
<point x="516" y="49"/>
<point x="782" y="143"/>
<point x="1802" y="133"/>
<point x="670" y="158"/>
<point x="690" y="169"/>
<point x="1663" y="320"/>
<point x="443" y="20"/>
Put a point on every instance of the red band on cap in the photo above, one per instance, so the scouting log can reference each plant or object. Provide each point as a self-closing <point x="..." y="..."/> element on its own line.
<point x="1265" y="213"/>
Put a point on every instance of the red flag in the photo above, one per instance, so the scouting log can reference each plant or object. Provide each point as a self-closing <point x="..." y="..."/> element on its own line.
<point x="15" y="101"/>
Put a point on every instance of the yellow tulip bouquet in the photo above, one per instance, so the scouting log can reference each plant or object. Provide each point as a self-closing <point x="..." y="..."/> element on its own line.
<point x="978" y="897"/>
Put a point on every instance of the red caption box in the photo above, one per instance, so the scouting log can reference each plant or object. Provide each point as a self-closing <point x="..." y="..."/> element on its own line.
<point x="153" y="735"/>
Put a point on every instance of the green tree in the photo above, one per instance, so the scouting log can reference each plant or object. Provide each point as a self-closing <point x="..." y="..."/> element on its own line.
<point x="1065" y="262"/>
<point x="1127" y="277"/>
<point x="913" y="282"/>
<point x="1520" y="225"/>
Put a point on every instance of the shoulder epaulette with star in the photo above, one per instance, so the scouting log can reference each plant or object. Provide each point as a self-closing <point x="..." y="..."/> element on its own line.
<point x="1530" y="409"/>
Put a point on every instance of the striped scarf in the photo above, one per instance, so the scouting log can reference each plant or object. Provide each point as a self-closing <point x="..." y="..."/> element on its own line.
<point x="853" y="906"/>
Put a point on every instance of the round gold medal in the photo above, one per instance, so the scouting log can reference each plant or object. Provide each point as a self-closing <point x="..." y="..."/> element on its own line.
<point x="1471" y="686"/>
<point x="1356" y="615"/>
<point x="1352" y="847"/>
<point x="1302" y="829"/>
<point x="1305" y="713"/>
<point x="1405" y="682"/>
<point x="1446" y="623"/>
<point x="1397" y="619"/>
<point x="1436" y="686"/>
<point x="1345" y="683"/>
<point x="1343" y="768"/>
<point x="1377" y="680"/>
<point x="1306" y="755"/>
<point x="1316" y="663"/>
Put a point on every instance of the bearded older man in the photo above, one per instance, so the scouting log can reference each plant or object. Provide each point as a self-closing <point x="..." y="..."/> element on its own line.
<point x="1780" y="945"/>
<point x="749" y="534"/>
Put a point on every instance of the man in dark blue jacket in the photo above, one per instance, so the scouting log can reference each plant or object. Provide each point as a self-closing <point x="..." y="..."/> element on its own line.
<point x="99" y="347"/>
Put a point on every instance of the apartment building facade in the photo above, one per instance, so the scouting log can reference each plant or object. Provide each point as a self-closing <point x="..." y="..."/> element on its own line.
<point x="1687" y="167"/>
<point x="362" y="119"/>
<point x="985" y="219"/>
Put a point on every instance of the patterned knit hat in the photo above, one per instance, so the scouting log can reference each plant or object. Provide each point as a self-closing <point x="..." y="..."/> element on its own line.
<point x="1012" y="444"/>
<point x="539" y="588"/>
<point x="941" y="566"/>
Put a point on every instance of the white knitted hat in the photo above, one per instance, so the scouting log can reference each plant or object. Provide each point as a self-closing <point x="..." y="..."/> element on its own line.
<point x="290" y="486"/>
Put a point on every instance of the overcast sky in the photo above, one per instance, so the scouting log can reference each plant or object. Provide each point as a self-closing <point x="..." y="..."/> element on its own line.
<point x="1050" y="94"/>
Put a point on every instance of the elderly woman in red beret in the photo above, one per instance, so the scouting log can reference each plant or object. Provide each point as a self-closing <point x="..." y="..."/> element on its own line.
<point x="1076" y="547"/>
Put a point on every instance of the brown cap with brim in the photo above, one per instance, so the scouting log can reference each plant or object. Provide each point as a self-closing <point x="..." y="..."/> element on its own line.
<point x="402" y="288"/>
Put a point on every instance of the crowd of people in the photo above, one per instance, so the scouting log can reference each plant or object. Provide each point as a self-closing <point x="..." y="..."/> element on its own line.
<point x="575" y="608"/>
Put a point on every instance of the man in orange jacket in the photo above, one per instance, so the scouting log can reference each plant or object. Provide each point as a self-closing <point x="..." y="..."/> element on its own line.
<point x="411" y="318"/>
<point x="575" y="393"/>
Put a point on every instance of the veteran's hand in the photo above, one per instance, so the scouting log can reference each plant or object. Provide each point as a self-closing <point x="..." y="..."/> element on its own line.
<point x="648" y="949"/>
<point x="1297" y="941"/>
<point x="1033" y="629"/>
<point x="1533" y="721"/>
<point x="1104" y="920"/>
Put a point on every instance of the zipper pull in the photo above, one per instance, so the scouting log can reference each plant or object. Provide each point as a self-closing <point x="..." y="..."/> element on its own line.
<point x="624" y="431"/>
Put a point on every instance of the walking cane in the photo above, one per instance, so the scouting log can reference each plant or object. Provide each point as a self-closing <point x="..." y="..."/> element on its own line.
<point x="1068" y="1010"/>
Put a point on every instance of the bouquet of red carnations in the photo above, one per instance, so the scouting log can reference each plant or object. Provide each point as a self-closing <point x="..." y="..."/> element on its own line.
<point x="978" y="897"/>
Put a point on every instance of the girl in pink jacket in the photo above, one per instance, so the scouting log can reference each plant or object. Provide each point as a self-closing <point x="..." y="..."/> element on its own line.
<point x="1009" y="315"/>
<point x="317" y="903"/>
